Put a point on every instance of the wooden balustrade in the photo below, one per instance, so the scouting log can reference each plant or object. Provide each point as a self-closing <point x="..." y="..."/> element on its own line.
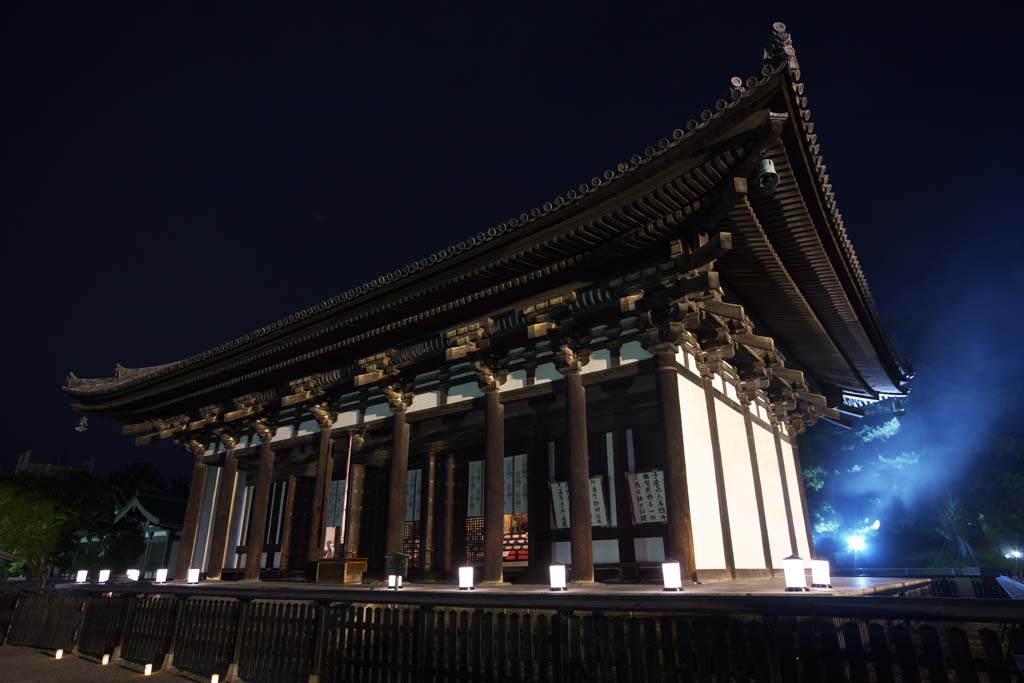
<point x="398" y="640"/>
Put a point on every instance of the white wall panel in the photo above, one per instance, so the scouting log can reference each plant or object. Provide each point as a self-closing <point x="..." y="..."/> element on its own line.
<point x="771" y="492"/>
<point x="744" y="521"/>
<point x="794" y="502"/>
<point x="700" y="477"/>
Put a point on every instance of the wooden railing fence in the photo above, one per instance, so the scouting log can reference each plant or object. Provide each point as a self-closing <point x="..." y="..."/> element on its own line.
<point x="284" y="640"/>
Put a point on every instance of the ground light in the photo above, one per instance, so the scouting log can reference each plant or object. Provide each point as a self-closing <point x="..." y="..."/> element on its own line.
<point x="105" y="660"/>
<point x="193" y="575"/>
<point x="821" y="577"/>
<point x="671" y="576"/>
<point x="215" y="678"/>
<point x="394" y="582"/>
<point x="793" y="568"/>
<point x="133" y="574"/>
<point x="465" y="578"/>
<point x="82" y="576"/>
<point x="161" y="575"/>
<point x="104" y="575"/>
<point x="557" y="573"/>
<point x="147" y="670"/>
<point x="58" y="654"/>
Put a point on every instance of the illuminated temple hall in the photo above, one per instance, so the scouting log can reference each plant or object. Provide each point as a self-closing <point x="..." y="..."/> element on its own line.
<point x="609" y="380"/>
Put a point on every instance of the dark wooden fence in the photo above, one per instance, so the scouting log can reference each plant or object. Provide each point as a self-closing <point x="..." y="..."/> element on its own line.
<point x="409" y="640"/>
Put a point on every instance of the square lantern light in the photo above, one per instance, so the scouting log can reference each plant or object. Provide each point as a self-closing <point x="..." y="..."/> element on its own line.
<point x="394" y="582"/>
<point x="821" y="577"/>
<point x="58" y="654"/>
<point x="133" y="574"/>
<point x="105" y="660"/>
<point x="193" y="575"/>
<point x="465" y="578"/>
<point x="161" y="575"/>
<point x="147" y="670"/>
<point x="104" y="575"/>
<point x="672" y="576"/>
<point x="793" y="568"/>
<point x="215" y="678"/>
<point x="557" y="573"/>
<point x="82" y="576"/>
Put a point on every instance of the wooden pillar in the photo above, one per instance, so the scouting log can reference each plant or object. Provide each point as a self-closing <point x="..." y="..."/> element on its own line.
<point x="427" y="514"/>
<point x="758" y="494"/>
<point x="785" y="490"/>
<point x="354" y="516"/>
<point x="716" y="452"/>
<point x="191" y="524"/>
<point x="448" y="520"/>
<point x="321" y="495"/>
<point x="258" y="512"/>
<point x="397" y="482"/>
<point x="494" y="485"/>
<point x="803" y="498"/>
<point x="679" y="527"/>
<point x="222" y="520"/>
<point x="286" y="521"/>
<point x="580" y="531"/>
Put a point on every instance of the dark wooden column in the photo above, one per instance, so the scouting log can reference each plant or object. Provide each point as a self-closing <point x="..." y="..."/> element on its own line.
<point x="716" y="451"/>
<point x="785" y="489"/>
<point x="494" y="484"/>
<point x="258" y="511"/>
<point x="758" y="494"/>
<point x="225" y="502"/>
<point x="679" y="527"/>
<point x="286" y="521"/>
<point x="803" y="498"/>
<point x="397" y="481"/>
<point x="427" y="514"/>
<point x="354" y="516"/>
<point x="321" y="494"/>
<point x="448" y="519"/>
<point x="191" y="524"/>
<point x="580" y="531"/>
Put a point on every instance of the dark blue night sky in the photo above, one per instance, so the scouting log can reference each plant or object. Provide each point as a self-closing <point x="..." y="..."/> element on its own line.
<point x="176" y="176"/>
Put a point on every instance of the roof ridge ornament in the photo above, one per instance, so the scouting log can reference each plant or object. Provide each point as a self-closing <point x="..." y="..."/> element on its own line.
<point x="780" y="50"/>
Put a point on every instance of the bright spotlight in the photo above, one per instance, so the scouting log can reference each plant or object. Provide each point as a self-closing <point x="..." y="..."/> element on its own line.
<point x="877" y="524"/>
<point x="1014" y="555"/>
<point x="856" y="543"/>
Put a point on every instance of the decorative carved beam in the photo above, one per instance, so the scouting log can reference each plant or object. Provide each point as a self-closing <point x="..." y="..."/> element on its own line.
<point x="542" y="317"/>
<point x="467" y="339"/>
<point x="137" y="428"/>
<point x="375" y="368"/>
<point x="302" y="390"/>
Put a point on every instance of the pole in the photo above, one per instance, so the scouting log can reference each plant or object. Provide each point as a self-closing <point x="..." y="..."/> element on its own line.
<point x="344" y="494"/>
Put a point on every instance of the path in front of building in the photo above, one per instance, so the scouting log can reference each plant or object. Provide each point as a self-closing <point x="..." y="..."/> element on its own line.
<point x="28" y="665"/>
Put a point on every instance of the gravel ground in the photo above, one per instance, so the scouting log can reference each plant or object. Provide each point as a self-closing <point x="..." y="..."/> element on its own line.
<point x="27" y="665"/>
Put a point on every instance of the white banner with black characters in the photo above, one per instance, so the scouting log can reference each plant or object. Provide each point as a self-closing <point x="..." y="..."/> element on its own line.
<point x="598" y="510"/>
<point x="560" y="502"/>
<point x="335" y="503"/>
<point x="475" y="499"/>
<point x="647" y="496"/>
<point x="412" y="495"/>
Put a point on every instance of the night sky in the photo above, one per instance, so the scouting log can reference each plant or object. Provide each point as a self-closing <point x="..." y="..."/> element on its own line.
<point x="176" y="176"/>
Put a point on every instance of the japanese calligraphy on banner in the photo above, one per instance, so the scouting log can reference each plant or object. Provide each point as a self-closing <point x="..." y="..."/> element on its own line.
<point x="560" y="501"/>
<point x="412" y="495"/>
<point x="474" y="504"/>
<point x="598" y="511"/>
<point x="515" y="484"/>
<point x="334" y="505"/>
<point x="647" y="496"/>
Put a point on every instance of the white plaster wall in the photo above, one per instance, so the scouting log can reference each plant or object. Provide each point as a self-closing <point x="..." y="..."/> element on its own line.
<point x="700" y="477"/>
<point x="771" y="493"/>
<point x="606" y="551"/>
<point x="308" y="427"/>
<point x="561" y="552"/>
<point x="200" y="553"/>
<point x="347" y="418"/>
<point x="425" y="400"/>
<point x="794" y="502"/>
<point x="631" y="352"/>
<point x="599" y="360"/>
<point x="516" y="380"/>
<point x="730" y="391"/>
<point x="282" y="433"/>
<point x="650" y="549"/>
<point x="744" y="521"/>
<point x="377" y="411"/>
<point x="546" y="372"/>
<point x="463" y="392"/>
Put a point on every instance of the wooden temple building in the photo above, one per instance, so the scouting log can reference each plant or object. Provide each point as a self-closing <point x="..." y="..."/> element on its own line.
<point x="608" y="380"/>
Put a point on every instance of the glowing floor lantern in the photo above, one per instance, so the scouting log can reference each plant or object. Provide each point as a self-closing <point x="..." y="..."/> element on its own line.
<point x="821" y="577"/>
<point x="193" y="575"/>
<point x="147" y="670"/>
<point x="104" y="575"/>
<point x="161" y="575"/>
<point x="133" y="574"/>
<point x="793" y="567"/>
<point x="394" y="582"/>
<point x="215" y="678"/>
<point x="672" y="576"/>
<point x="82" y="576"/>
<point x="557" y="572"/>
<point x="105" y="660"/>
<point x="58" y="654"/>
<point x="465" y="578"/>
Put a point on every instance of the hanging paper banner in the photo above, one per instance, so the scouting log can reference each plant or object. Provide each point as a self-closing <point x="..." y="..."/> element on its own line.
<point x="598" y="511"/>
<point x="519" y="492"/>
<point x="647" y="496"/>
<point x="334" y="506"/>
<point x="412" y="496"/>
<point x="560" y="501"/>
<point x="510" y="484"/>
<point x="474" y="504"/>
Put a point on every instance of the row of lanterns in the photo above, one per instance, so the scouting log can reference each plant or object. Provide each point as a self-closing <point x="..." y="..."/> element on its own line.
<point x="133" y="575"/>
